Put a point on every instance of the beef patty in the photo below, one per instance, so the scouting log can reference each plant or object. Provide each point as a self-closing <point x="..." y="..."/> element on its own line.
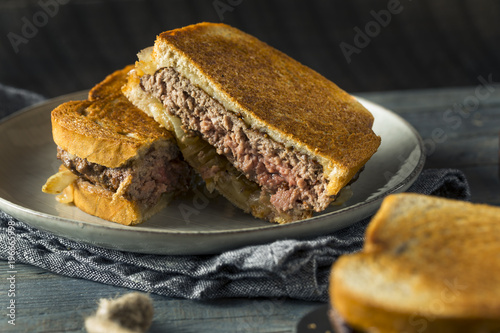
<point x="293" y="179"/>
<point x="142" y="180"/>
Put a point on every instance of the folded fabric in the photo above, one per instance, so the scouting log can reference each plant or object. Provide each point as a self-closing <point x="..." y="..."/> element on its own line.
<point x="12" y="99"/>
<point x="292" y="268"/>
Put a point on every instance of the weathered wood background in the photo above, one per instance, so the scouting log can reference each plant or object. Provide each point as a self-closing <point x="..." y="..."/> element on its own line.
<point x="60" y="46"/>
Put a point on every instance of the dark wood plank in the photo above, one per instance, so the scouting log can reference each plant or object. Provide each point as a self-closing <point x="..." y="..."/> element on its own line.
<point x="46" y="302"/>
<point x="468" y="137"/>
<point x="424" y="44"/>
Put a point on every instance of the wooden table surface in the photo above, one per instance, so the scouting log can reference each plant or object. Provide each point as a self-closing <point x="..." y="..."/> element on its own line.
<point x="460" y="128"/>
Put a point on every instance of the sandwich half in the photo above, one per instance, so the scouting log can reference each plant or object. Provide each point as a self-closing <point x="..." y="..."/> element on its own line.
<point x="273" y="136"/>
<point x="117" y="163"/>
<point x="428" y="265"/>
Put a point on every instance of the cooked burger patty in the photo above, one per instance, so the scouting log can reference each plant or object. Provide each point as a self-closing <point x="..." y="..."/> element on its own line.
<point x="143" y="180"/>
<point x="293" y="179"/>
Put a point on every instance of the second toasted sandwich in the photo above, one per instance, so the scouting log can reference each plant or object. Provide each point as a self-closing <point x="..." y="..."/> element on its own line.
<point x="273" y="136"/>
<point x="428" y="264"/>
<point x="118" y="163"/>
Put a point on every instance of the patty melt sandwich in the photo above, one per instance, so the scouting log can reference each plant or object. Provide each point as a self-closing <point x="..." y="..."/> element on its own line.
<point x="117" y="163"/>
<point x="428" y="265"/>
<point x="273" y="136"/>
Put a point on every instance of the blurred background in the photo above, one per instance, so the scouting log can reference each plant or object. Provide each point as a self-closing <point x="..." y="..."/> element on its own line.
<point x="55" y="47"/>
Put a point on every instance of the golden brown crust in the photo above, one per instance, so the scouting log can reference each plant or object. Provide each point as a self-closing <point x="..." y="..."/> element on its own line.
<point x="362" y="316"/>
<point x="273" y="90"/>
<point x="97" y="201"/>
<point x="111" y="86"/>
<point x="106" y="129"/>
<point x="426" y="261"/>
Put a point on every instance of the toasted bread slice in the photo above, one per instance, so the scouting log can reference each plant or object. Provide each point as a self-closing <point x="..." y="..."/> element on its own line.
<point x="106" y="129"/>
<point x="126" y="166"/>
<point x="98" y="201"/>
<point x="111" y="86"/>
<point x="274" y="94"/>
<point x="428" y="265"/>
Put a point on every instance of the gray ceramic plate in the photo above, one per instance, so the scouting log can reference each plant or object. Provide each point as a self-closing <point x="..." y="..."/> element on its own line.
<point x="198" y="223"/>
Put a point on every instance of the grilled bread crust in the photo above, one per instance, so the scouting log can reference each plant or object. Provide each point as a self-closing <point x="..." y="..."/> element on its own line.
<point x="106" y="129"/>
<point x="427" y="266"/>
<point x="274" y="94"/>
<point x="98" y="201"/>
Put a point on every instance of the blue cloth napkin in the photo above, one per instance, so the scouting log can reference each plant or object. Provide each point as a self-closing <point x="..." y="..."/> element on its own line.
<point x="292" y="268"/>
